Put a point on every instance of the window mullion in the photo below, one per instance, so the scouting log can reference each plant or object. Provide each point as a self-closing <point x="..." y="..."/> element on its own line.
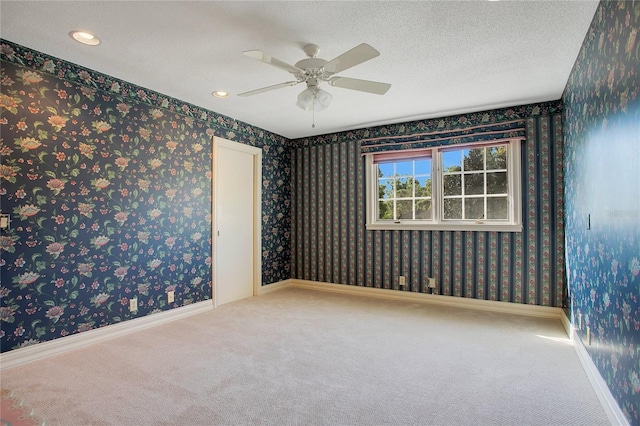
<point x="395" y="189"/>
<point x="436" y="190"/>
<point x="485" y="204"/>
<point x="485" y="190"/>
<point x="413" y="190"/>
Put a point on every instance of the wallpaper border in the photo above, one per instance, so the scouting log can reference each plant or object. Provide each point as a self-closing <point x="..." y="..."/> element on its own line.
<point x="458" y="122"/>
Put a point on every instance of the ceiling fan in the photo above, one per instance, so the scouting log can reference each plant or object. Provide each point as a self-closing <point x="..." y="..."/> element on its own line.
<point x="313" y="70"/>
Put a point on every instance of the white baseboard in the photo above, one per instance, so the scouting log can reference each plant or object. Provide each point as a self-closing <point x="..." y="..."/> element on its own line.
<point x="42" y="350"/>
<point x="434" y="299"/>
<point x="566" y="322"/>
<point x="608" y="402"/>
<point x="269" y="288"/>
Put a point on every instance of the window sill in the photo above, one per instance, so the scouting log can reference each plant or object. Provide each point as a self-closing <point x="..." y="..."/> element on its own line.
<point x="486" y="227"/>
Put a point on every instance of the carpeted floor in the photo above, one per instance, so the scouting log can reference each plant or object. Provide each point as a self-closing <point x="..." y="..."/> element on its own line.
<point x="304" y="357"/>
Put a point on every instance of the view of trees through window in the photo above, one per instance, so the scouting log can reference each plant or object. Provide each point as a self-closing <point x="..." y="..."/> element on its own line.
<point x="404" y="190"/>
<point x="475" y="184"/>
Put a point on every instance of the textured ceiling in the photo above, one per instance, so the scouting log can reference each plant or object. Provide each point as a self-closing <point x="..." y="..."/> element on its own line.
<point x="441" y="57"/>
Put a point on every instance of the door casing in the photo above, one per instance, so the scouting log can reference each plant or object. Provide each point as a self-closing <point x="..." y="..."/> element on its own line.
<point x="257" y="211"/>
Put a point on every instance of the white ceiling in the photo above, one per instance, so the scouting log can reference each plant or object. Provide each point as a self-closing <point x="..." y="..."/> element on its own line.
<point x="441" y="57"/>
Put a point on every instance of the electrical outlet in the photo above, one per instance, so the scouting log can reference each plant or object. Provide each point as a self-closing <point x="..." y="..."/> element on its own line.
<point x="170" y="296"/>
<point x="402" y="280"/>
<point x="133" y="304"/>
<point x="432" y="283"/>
<point x="579" y="320"/>
<point x="5" y="220"/>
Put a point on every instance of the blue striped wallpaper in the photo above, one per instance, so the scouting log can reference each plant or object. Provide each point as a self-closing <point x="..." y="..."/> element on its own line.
<point x="330" y="242"/>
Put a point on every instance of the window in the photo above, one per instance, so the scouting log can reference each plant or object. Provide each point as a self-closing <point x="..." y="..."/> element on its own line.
<point x="475" y="184"/>
<point x="404" y="189"/>
<point x="464" y="187"/>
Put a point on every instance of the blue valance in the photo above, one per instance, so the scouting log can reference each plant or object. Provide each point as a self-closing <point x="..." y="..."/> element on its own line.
<point x="496" y="132"/>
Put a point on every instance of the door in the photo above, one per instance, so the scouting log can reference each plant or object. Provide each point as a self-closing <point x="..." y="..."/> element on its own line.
<point x="237" y="226"/>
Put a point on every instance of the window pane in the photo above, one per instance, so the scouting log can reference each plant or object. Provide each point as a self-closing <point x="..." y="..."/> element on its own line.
<point x="404" y="168"/>
<point x="497" y="208"/>
<point x="497" y="183"/>
<point x="474" y="208"/>
<point x="404" y="209"/>
<point x="404" y="187"/>
<point x="452" y="185"/>
<point x="474" y="159"/>
<point x="423" y="209"/>
<point x="423" y="167"/>
<point x="497" y="158"/>
<point x="453" y="208"/>
<point x="385" y="170"/>
<point x="385" y="210"/>
<point x="423" y="187"/>
<point x="385" y="188"/>
<point x="451" y="161"/>
<point x="474" y="184"/>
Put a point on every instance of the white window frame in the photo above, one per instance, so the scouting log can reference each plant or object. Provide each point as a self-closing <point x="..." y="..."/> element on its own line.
<point x="437" y="223"/>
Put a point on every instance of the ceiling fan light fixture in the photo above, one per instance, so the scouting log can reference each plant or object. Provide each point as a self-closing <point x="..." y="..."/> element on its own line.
<point x="314" y="99"/>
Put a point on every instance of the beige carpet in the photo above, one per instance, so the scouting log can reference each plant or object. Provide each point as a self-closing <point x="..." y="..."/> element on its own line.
<point x="304" y="357"/>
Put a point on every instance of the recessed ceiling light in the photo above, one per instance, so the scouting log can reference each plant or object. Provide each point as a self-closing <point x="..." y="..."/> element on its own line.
<point x="220" y="94"/>
<point x="85" y="38"/>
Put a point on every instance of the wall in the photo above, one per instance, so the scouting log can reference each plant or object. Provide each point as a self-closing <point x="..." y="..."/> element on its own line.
<point x="108" y="186"/>
<point x="330" y="243"/>
<point x="602" y="163"/>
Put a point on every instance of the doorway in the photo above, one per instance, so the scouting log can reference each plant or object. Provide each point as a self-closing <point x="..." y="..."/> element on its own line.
<point x="237" y="227"/>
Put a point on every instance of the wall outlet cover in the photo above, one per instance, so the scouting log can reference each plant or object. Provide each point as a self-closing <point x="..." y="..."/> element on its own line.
<point x="133" y="304"/>
<point x="170" y="296"/>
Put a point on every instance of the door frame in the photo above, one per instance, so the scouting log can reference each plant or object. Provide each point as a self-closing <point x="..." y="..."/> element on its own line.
<point x="257" y="212"/>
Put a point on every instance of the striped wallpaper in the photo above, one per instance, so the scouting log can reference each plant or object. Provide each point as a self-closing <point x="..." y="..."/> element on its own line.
<point x="330" y="242"/>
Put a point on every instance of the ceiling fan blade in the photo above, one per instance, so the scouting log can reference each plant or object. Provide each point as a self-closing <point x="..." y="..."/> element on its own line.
<point x="263" y="57"/>
<point x="269" y="88"/>
<point x="351" y="58"/>
<point x="361" y="85"/>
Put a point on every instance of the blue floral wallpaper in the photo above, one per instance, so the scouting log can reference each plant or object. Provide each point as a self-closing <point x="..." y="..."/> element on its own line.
<point x="602" y="186"/>
<point x="108" y="186"/>
<point x="330" y="242"/>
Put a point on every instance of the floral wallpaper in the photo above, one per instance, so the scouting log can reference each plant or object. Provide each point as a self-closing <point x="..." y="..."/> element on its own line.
<point x="108" y="186"/>
<point x="602" y="163"/>
<point x="330" y="242"/>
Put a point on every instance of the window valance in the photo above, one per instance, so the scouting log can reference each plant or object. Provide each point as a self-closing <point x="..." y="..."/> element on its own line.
<point x="483" y="133"/>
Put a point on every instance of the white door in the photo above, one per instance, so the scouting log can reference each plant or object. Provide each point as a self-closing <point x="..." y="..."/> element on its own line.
<point x="237" y="226"/>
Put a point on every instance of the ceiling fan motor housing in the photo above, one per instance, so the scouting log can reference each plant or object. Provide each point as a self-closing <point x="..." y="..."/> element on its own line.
<point x="312" y="67"/>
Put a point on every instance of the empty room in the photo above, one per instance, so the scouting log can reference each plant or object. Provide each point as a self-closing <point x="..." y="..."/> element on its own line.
<point x="319" y="212"/>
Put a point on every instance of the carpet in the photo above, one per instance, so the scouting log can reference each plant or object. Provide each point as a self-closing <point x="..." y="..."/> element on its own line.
<point x="304" y="357"/>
